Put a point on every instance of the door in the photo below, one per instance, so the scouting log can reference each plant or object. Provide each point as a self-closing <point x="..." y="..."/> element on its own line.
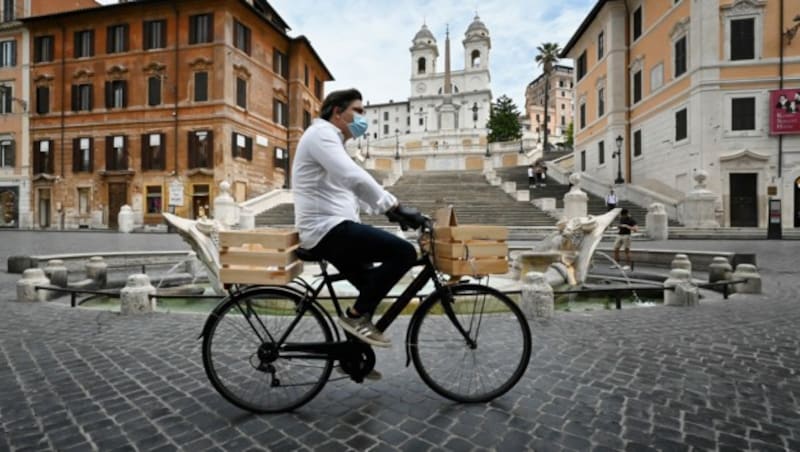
<point x="200" y="204"/>
<point x="797" y="203"/>
<point x="117" y="197"/>
<point x="744" y="200"/>
<point x="44" y="208"/>
<point x="8" y="207"/>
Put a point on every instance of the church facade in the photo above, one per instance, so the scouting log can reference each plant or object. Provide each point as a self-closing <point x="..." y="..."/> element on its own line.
<point x="442" y="103"/>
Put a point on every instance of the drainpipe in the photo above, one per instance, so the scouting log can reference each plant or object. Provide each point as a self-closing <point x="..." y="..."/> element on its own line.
<point x="63" y="90"/>
<point x="780" y="86"/>
<point x="175" y="84"/>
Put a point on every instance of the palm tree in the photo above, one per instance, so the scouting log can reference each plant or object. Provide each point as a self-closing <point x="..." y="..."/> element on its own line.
<point x="547" y="57"/>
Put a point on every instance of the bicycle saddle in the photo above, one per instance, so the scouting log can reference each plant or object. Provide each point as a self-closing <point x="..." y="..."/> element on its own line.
<point x="306" y="255"/>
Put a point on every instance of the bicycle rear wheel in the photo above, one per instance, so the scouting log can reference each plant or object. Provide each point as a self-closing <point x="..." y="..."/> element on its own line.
<point x="245" y="362"/>
<point x="483" y="362"/>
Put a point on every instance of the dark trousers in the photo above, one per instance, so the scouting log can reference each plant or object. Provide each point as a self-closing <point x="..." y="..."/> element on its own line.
<point x="354" y="248"/>
<point x="611" y="206"/>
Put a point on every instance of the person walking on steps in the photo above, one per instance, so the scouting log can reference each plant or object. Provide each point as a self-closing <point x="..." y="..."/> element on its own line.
<point x="626" y="226"/>
<point x="531" y="177"/>
<point x="330" y="190"/>
<point x="611" y="200"/>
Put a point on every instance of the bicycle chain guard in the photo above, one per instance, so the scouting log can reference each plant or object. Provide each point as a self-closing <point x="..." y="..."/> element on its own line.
<point x="359" y="361"/>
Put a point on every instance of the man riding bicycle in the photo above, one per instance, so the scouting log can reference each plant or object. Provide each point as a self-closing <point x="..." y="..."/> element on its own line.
<point x="329" y="191"/>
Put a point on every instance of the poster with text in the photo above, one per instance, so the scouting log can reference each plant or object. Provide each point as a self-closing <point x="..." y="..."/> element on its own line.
<point x="784" y="111"/>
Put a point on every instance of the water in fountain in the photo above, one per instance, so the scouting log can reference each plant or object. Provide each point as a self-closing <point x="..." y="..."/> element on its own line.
<point x="622" y="271"/>
<point x="171" y="270"/>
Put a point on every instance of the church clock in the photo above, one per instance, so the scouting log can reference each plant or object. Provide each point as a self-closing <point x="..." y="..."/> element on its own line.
<point x="420" y="87"/>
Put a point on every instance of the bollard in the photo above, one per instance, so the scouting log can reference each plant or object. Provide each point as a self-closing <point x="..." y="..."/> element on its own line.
<point x="656" y="222"/>
<point x="719" y="270"/>
<point x="671" y="296"/>
<point x="687" y="293"/>
<point x="26" y="287"/>
<point x="56" y="271"/>
<point x="749" y="272"/>
<point x="135" y="296"/>
<point x="97" y="271"/>
<point x="537" y="297"/>
<point x="682" y="261"/>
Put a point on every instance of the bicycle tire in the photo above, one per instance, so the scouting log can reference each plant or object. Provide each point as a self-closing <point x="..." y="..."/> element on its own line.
<point x="434" y="342"/>
<point x="232" y="362"/>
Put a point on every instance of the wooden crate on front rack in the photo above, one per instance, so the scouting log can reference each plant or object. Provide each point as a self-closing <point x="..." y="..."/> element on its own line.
<point x="471" y="249"/>
<point x="261" y="256"/>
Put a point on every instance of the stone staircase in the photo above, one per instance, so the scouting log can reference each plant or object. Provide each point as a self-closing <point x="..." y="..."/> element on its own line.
<point x="475" y="201"/>
<point x="596" y="205"/>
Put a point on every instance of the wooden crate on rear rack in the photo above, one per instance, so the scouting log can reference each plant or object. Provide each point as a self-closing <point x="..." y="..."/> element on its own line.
<point x="261" y="256"/>
<point x="474" y="250"/>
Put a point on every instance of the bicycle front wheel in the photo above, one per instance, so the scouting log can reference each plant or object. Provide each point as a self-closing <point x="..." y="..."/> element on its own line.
<point x="471" y="345"/>
<point x="247" y="361"/>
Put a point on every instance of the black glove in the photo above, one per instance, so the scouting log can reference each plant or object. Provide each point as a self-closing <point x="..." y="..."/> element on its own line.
<point x="406" y="217"/>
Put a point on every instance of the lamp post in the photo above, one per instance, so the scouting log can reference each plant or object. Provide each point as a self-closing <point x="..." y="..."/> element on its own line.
<point x="521" y="151"/>
<point x="618" y="155"/>
<point x="367" y="155"/>
<point x="397" y="144"/>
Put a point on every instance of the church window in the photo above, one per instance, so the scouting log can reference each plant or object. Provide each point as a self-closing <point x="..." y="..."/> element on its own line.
<point x="421" y="66"/>
<point x="476" y="58"/>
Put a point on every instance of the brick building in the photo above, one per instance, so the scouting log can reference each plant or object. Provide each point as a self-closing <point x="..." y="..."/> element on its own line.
<point x="14" y="102"/>
<point x="142" y="102"/>
<point x="560" y="103"/>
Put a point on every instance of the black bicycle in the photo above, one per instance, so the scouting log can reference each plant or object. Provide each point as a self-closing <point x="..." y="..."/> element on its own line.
<point x="270" y="349"/>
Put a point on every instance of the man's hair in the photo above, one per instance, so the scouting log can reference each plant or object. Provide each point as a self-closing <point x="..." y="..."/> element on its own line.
<point x="338" y="99"/>
<point x="624" y="212"/>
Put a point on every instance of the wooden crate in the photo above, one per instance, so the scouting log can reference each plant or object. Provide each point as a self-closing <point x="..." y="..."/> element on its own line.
<point x="265" y="256"/>
<point x="469" y="249"/>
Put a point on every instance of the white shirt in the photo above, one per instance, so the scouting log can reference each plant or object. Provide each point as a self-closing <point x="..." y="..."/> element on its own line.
<point x="530" y="172"/>
<point x="611" y="199"/>
<point x="328" y="186"/>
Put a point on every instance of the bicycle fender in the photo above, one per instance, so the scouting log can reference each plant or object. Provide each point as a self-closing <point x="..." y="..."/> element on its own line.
<point x="215" y="313"/>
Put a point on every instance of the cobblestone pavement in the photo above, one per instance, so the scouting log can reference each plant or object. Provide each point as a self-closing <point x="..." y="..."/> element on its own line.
<point x="722" y="376"/>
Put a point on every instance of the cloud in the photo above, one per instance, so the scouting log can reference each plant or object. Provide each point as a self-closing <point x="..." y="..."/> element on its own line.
<point x="365" y="43"/>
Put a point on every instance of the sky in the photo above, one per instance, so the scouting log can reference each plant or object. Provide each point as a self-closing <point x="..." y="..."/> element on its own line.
<point x="365" y="43"/>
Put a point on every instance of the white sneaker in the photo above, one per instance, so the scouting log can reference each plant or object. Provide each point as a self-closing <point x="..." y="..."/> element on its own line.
<point x="626" y="267"/>
<point x="363" y="329"/>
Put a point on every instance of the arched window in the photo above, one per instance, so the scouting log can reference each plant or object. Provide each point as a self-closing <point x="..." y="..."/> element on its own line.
<point x="421" y="66"/>
<point x="475" y="58"/>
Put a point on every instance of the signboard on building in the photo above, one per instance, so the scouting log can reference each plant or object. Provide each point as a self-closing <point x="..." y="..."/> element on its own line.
<point x="176" y="194"/>
<point x="784" y="111"/>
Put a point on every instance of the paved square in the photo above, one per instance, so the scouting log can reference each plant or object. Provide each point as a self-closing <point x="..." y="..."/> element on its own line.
<point x="722" y="376"/>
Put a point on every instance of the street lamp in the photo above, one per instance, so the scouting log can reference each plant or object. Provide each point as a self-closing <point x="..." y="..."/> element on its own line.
<point x="520" y="146"/>
<point x="618" y="155"/>
<point x="397" y="144"/>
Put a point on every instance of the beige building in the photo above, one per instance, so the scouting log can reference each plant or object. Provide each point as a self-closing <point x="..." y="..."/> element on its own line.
<point x="15" y="104"/>
<point x="560" y="100"/>
<point x="687" y="85"/>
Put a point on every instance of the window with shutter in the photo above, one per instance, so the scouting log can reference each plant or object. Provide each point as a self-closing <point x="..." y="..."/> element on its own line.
<point x="200" y="86"/>
<point x="155" y="34"/>
<point x="637" y="23"/>
<point x="601" y="153"/>
<point x="154" y="91"/>
<point x="7" y="154"/>
<point x="637" y="86"/>
<point x="84" y="44"/>
<point x="241" y="37"/>
<point x="743" y="113"/>
<point x="241" y="92"/>
<point x="637" y="143"/>
<point x="42" y="100"/>
<point x="43" y="49"/>
<point x="582" y="114"/>
<point x="6" y="97"/>
<point x="117" y="38"/>
<point x="680" y="56"/>
<point x="8" y="53"/>
<point x="681" y="125"/>
<point x="201" y="145"/>
<point x="743" y="42"/>
<point x="201" y="28"/>
<point x="280" y="63"/>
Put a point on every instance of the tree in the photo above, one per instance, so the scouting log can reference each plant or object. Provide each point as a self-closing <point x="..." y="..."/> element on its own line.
<point x="503" y="122"/>
<point x="547" y="57"/>
<point x="569" y="134"/>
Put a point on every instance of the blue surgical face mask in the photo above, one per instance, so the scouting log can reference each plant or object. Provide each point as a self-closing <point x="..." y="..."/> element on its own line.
<point x="359" y="125"/>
